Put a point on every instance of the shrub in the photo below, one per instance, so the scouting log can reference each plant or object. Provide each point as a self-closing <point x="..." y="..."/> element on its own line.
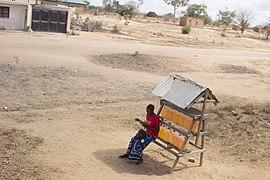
<point x="115" y="29"/>
<point x="186" y="29"/>
<point x="151" y="14"/>
<point x="223" y="34"/>
<point x="94" y="26"/>
<point x="137" y="54"/>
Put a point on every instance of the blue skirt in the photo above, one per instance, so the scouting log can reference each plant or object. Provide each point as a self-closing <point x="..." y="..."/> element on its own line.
<point x="136" y="146"/>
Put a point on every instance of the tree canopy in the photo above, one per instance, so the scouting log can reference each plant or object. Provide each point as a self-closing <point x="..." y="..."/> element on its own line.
<point x="176" y="4"/>
<point x="198" y="11"/>
<point x="243" y="20"/>
<point x="226" y="17"/>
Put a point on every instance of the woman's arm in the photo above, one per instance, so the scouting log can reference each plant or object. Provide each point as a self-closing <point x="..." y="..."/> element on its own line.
<point x="153" y="128"/>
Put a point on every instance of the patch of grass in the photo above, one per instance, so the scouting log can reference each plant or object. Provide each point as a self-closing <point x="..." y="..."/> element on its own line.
<point x="16" y="59"/>
<point x="137" y="54"/>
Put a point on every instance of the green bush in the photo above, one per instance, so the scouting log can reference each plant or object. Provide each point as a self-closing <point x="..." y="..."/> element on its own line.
<point x="115" y="29"/>
<point x="186" y="29"/>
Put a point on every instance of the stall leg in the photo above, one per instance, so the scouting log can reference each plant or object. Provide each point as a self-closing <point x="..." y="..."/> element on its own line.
<point x="174" y="164"/>
<point x="201" y="159"/>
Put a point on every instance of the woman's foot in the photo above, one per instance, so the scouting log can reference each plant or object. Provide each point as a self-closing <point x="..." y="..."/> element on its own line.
<point x="124" y="156"/>
<point x="139" y="162"/>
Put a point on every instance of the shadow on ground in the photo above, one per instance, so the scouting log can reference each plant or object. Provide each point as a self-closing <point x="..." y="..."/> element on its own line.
<point x="148" y="167"/>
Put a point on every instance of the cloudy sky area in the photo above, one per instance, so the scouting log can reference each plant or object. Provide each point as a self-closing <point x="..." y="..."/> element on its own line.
<point x="260" y="9"/>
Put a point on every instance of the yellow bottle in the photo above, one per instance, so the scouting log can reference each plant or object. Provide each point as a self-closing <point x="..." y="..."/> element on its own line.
<point x="166" y="134"/>
<point x="175" y="117"/>
<point x="169" y="115"/>
<point x="187" y="122"/>
<point x="171" y="137"/>
<point x="181" y="140"/>
<point x="161" y="132"/>
<point x="164" y="112"/>
<point x="180" y="120"/>
<point x="175" y="138"/>
<point x="195" y="127"/>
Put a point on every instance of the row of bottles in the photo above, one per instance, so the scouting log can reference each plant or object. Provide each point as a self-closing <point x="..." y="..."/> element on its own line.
<point x="179" y="118"/>
<point x="171" y="136"/>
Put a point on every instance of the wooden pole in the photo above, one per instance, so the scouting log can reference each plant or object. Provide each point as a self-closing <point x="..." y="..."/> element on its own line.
<point x="174" y="164"/>
<point x="159" y="111"/>
<point x="203" y="126"/>
<point x="202" y="117"/>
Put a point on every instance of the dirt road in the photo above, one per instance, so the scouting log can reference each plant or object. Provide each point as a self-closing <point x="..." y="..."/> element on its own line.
<point x="78" y="96"/>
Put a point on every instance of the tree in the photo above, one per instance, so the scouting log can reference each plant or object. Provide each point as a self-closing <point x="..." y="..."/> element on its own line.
<point x="243" y="20"/>
<point x="226" y="18"/>
<point x="198" y="11"/>
<point x="176" y="4"/>
<point x="87" y="3"/>
<point x="130" y="9"/>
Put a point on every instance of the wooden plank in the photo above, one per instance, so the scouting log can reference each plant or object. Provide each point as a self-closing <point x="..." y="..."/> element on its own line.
<point x="191" y="152"/>
<point x="164" y="147"/>
<point x="191" y="143"/>
<point x="177" y="129"/>
<point x="191" y="112"/>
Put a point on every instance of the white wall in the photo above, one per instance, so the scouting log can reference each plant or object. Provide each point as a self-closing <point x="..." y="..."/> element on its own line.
<point x="18" y="12"/>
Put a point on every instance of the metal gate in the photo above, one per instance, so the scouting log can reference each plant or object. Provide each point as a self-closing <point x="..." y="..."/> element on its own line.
<point x="49" y="20"/>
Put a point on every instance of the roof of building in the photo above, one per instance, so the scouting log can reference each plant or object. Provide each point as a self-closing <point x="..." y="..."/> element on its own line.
<point x="181" y="91"/>
<point x="75" y="1"/>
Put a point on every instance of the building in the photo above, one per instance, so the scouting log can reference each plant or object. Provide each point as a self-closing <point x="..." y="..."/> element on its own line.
<point x="51" y="18"/>
<point x="16" y="14"/>
<point x="79" y="5"/>
<point x="192" y="22"/>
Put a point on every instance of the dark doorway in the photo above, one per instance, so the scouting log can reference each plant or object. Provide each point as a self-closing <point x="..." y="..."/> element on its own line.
<point x="49" y="20"/>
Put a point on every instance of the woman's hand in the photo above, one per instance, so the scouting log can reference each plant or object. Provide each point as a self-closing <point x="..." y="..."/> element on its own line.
<point x="143" y="123"/>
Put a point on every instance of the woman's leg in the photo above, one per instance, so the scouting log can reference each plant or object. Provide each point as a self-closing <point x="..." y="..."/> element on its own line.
<point x="130" y="145"/>
<point x="136" y="150"/>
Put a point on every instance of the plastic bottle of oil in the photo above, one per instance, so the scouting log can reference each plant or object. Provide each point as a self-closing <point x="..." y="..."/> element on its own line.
<point x="169" y="114"/>
<point x="175" y="117"/>
<point x="171" y="136"/>
<point x="164" y="112"/>
<point x="161" y="132"/>
<point x="181" y="140"/>
<point x="175" y="138"/>
<point x="195" y="127"/>
<point x="187" y="122"/>
<point x="180" y="120"/>
<point x="166" y="134"/>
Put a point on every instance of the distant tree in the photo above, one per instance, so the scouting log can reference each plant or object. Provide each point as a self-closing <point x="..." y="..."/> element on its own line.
<point x="115" y="5"/>
<point x="266" y="30"/>
<point x="243" y="20"/>
<point x="151" y="14"/>
<point x="176" y="4"/>
<point x="130" y="9"/>
<point x="226" y="18"/>
<point x="87" y="3"/>
<point x="107" y="5"/>
<point x="198" y="11"/>
<point x="167" y="17"/>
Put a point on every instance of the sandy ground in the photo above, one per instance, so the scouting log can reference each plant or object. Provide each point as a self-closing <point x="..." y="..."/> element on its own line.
<point x="74" y="99"/>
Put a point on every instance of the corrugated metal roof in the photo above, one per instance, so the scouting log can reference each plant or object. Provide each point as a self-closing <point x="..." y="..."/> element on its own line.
<point x="75" y="1"/>
<point x="180" y="91"/>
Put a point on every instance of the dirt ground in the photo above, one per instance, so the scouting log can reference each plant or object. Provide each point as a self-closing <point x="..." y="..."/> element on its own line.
<point x="68" y="103"/>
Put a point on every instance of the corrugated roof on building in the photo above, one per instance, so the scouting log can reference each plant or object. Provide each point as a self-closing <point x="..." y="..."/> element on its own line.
<point x="75" y="1"/>
<point x="180" y="91"/>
